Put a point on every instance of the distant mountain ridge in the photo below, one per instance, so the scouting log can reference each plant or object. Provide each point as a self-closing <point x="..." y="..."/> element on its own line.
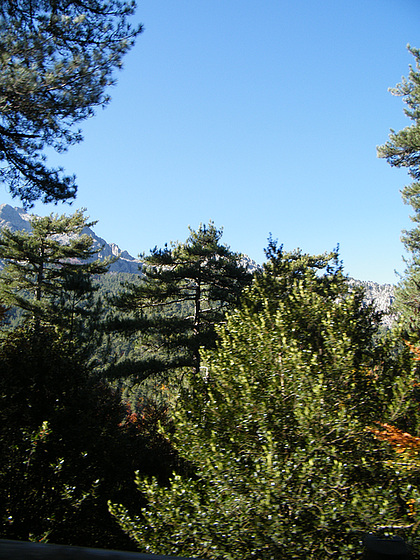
<point x="382" y="295"/>
<point x="18" y="219"/>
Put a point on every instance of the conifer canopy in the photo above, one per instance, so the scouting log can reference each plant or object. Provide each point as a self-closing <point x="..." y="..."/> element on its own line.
<point x="403" y="150"/>
<point x="57" y="57"/>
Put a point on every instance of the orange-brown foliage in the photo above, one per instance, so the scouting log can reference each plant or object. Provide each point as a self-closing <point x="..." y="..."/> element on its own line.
<point x="415" y="350"/>
<point x="400" y="441"/>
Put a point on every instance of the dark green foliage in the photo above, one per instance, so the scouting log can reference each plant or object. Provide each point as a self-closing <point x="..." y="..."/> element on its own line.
<point x="57" y="59"/>
<point x="49" y="273"/>
<point x="283" y="270"/>
<point x="403" y="150"/>
<point x="185" y="291"/>
<point x="111" y="346"/>
<point x="66" y="446"/>
<point x="403" y="147"/>
<point x="59" y="444"/>
<point x="278" y="429"/>
<point x="321" y="275"/>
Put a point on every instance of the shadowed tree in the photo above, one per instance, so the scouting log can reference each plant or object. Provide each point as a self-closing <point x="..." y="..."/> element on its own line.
<point x="49" y="270"/>
<point x="66" y="445"/>
<point x="185" y="291"/>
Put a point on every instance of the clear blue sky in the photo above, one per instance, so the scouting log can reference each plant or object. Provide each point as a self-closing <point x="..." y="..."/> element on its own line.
<point x="261" y="115"/>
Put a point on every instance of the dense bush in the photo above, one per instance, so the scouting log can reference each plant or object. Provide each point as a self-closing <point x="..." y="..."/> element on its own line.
<point x="278" y="428"/>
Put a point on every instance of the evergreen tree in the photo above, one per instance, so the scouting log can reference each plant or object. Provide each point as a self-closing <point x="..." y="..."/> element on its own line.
<point x="185" y="291"/>
<point x="66" y="446"/>
<point x="49" y="271"/>
<point x="284" y="466"/>
<point x="322" y="273"/>
<point x="403" y="150"/>
<point x="57" y="58"/>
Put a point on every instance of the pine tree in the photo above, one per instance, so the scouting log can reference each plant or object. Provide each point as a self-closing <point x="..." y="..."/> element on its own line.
<point x="403" y="150"/>
<point x="282" y="463"/>
<point x="49" y="271"/>
<point x="185" y="291"/>
<point x="62" y="437"/>
<point x="57" y="58"/>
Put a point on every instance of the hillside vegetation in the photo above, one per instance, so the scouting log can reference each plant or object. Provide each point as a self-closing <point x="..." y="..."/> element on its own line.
<point x="263" y="414"/>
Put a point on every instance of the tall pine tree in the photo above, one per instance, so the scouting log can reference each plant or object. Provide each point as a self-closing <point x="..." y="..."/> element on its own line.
<point x="185" y="291"/>
<point x="49" y="270"/>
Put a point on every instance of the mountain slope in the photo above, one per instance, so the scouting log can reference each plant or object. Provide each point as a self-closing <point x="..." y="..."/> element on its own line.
<point x="18" y="219"/>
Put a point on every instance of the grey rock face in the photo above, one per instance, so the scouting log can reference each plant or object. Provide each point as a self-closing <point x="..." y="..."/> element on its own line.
<point x="14" y="218"/>
<point x="18" y="219"/>
<point x="382" y="295"/>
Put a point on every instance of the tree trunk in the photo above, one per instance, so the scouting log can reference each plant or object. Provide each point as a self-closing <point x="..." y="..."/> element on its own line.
<point x="196" y="327"/>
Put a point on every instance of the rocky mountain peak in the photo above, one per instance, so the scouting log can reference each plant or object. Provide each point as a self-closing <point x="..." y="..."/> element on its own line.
<point x="18" y="219"/>
<point x="14" y="218"/>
